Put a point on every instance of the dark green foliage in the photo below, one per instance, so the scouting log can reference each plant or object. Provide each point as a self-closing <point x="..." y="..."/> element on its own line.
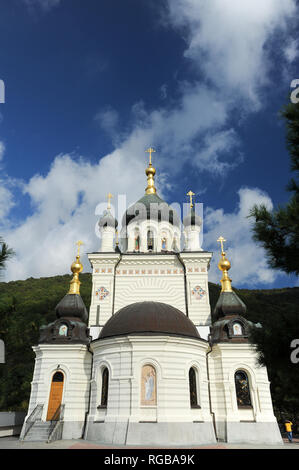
<point x="24" y="307"/>
<point x="278" y="231"/>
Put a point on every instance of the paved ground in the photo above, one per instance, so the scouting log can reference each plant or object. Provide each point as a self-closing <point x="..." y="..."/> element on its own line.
<point x="14" y="443"/>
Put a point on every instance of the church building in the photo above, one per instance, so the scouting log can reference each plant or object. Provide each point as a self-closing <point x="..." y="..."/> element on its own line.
<point x="150" y="364"/>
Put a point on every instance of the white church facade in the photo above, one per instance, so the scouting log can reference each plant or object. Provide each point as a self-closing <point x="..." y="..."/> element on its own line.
<point x="150" y="364"/>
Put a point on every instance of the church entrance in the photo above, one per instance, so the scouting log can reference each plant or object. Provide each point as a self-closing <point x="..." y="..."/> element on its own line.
<point x="55" y="397"/>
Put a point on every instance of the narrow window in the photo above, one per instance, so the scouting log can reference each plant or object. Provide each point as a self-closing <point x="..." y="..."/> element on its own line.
<point x="98" y="315"/>
<point x="193" y="388"/>
<point x="150" y="240"/>
<point x="242" y="389"/>
<point x="105" y="386"/>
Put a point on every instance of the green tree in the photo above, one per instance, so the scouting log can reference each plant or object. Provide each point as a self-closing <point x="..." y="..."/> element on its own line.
<point x="5" y="254"/>
<point x="278" y="230"/>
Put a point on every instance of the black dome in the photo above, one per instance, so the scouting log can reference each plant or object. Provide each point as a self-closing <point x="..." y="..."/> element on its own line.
<point x="149" y="318"/>
<point x="229" y="304"/>
<point x="72" y="306"/>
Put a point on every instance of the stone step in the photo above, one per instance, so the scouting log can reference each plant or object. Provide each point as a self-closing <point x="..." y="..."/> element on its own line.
<point x="39" y="432"/>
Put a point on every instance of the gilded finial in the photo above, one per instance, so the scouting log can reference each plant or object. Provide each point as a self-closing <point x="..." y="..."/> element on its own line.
<point x="116" y="236"/>
<point x="224" y="266"/>
<point x="150" y="173"/>
<point x="76" y="269"/>
<point x="110" y="196"/>
<point x="191" y="194"/>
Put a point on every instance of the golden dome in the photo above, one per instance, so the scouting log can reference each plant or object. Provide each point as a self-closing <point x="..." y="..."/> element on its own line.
<point x="224" y="264"/>
<point x="77" y="266"/>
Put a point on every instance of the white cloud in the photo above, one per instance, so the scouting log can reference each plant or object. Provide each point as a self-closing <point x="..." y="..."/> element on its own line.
<point x="249" y="266"/>
<point x="64" y="203"/>
<point x="227" y="38"/>
<point x="107" y="119"/>
<point x="291" y="51"/>
<point x="226" y="44"/>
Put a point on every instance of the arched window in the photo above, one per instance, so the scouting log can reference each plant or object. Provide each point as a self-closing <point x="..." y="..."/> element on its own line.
<point x="105" y="387"/>
<point x="58" y="377"/>
<point x="242" y="389"/>
<point x="193" y="389"/>
<point x="150" y="240"/>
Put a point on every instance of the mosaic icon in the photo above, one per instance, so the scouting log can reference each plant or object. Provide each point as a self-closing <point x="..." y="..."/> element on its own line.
<point x="102" y="293"/>
<point x="198" y="292"/>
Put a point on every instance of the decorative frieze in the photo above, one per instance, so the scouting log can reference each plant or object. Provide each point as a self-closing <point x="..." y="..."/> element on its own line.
<point x="149" y="272"/>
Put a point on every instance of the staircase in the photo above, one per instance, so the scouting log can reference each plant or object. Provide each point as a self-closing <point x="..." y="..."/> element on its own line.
<point x="39" y="432"/>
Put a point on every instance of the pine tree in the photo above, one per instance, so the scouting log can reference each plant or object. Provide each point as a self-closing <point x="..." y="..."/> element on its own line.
<point x="278" y="231"/>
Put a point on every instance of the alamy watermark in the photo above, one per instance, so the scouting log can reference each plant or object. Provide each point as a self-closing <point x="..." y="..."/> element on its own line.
<point x="2" y="92"/>
<point x="295" y="353"/>
<point x="295" y="93"/>
<point x="2" y="352"/>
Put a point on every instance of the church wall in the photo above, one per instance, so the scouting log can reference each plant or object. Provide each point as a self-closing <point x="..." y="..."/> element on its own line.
<point x="150" y="278"/>
<point x="75" y="363"/>
<point x="172" y="416"/>
<point x="256" y="424"/>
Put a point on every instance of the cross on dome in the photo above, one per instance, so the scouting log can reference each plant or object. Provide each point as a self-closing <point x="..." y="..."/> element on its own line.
<point x="221" y="240"/>
<point x="191" y="194"/>
<point x="110" y="196"/>
<point x="79" y="243"/>
<point x="150" y="151"/>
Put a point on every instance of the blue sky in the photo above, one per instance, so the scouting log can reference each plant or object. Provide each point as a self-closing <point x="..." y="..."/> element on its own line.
<point x="90" y="85"/>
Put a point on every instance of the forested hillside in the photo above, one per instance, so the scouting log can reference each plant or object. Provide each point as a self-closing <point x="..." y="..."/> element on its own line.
<point x="26" y="305"/>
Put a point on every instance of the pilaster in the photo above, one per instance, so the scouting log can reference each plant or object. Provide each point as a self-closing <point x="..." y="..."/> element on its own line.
<point x="197" y="265"/>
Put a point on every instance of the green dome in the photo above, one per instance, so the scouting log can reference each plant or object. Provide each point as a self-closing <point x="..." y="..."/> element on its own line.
<point x="151" y="206"/>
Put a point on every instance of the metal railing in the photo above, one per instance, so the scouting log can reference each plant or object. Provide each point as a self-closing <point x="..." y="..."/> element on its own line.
<point x="34" y="416"/>
<point x="56" y="424"/>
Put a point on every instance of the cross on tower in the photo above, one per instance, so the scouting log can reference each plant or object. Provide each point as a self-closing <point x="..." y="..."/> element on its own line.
<point x="79" y="243"/>
<point x="221" y="240"/>
<point x="191" y="194"/>
<point x="110" y="196"/>
<point x="150" y="151"/>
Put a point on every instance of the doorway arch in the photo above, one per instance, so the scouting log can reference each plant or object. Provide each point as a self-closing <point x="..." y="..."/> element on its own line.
<point x="55" y="398"/>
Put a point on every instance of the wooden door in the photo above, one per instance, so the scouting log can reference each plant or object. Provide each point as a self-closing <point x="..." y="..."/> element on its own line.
<point x="55" y="396"/>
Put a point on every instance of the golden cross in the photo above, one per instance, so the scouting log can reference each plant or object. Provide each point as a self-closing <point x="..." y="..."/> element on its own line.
<point x="191" y="194"/>
<point x="110" y="196"/>
<point x="79" y="243"/>
<point x="221" y="240"/>
<point x="150" y="151"/>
